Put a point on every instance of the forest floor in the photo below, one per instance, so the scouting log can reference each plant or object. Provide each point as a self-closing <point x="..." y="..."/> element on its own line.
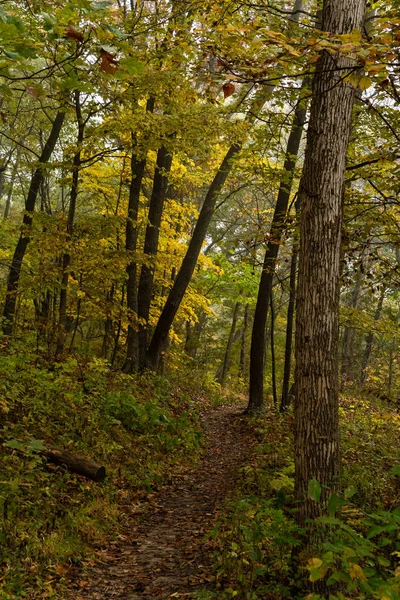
<point x="163" y="552"/>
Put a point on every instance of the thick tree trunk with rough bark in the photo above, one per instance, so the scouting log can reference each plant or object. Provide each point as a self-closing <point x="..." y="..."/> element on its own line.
<point x="24" y="239"/>
<point x="317" y="322"/>
<point x="160" y="183"/>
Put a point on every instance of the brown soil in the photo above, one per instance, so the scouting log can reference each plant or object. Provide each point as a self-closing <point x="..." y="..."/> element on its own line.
<point x="164" y="555"/>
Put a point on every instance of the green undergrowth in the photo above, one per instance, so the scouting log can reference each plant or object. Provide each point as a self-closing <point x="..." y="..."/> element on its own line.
<point x="141" y="429"/>
<point x="258" y="544"/>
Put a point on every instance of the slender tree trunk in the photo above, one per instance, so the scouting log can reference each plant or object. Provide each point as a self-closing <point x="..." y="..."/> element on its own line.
<point x="138" y="165"/>
<point x="160" y="183"/>
<point x="390" y="368"/>
<point x="222" y="375"/>
<point x="66" y="259"/>
<point x="317" y="316"/>
<point x="185" y="273"/>
<point x="119" y="327"/>
<point x="349" y="332"/>
<point x="273" y="364"/>
<point x="14" y="172"/>
<point x="78" y="315"/>
<point x="257" y="353"/>
<point x="193" y="335"/>
<point x="370" y="339"/>
<point x="257" y="347"/>
<point x="285" y="400"/>
<point x="108" y="325"/>
<point x="24" y="239"/>
<point x="242" y="361"/>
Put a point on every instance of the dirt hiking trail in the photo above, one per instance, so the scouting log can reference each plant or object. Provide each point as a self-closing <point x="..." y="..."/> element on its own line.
<point x="163" y="553"/>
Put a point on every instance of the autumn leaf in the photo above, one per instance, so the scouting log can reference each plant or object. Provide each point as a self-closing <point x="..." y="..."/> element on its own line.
<point x="108" y="64"/>
<point x="228" y="89"/>
<point x="72" y="33"/>
<point x="36" y="91"/>
<point x="356" y="572"/>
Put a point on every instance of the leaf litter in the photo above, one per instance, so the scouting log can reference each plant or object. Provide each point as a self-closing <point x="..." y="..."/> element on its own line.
<point x="162" y="552"/>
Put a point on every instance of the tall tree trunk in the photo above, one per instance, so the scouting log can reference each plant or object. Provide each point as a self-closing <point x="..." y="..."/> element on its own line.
<point x="242" y="360"/>
<point x="257" y="352"/>
<point x="285" y="400"/>
<point x="222" y="374"/>
<point x="390" y="367"/>
<point x="317" y="318"/>
<point x="346" y="368"/>
<point x="66" y="259"/>
<point x="370" y="339"/>
<point x="138" y="165"/>
<point x="20" y="250"/>
<point x="160" y="183"/>
<point x="185" y="273"/>
<point x="193" y="335"/>
<point x="257" y="347"/>
<point x="273" y="364"/>
<point x="14" y="172"/>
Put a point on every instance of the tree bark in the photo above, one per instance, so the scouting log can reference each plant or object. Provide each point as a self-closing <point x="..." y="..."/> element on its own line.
<point x="66" y="259"/>
<point x="285" y="400"/>
<point x="76" y="464"/>
<point x="160" y="183"/>
<point x="138" y="165"/>
<point x="14" y="172"/>
<point x="273" y="365"/>
<point x="257" y="352"/>
<point x="346" y="369"/>
<point x="317" y="318"/>
<point x="242" y="360"/>
<point x="24" y="239"/>
<point x="370" y="339"/>
<point x="221" y="376"/>
<point x="185" y="273"/>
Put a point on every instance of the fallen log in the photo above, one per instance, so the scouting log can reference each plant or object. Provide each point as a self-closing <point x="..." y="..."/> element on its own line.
<point x="75" y="463"/>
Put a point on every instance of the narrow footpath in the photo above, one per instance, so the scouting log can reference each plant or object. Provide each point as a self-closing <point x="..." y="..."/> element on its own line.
<point x="164" y="554"/>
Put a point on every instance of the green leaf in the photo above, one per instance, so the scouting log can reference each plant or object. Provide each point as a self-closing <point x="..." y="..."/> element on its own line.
<point x="375" y="530"/>
<point x="13" y="55"/>
<point x="394" y="471"/>
<point x="14" y="444"/>
<point x="35" y="445"/>
<point x="98" y="6"/>
<point x="349" y="491"/>
<point x="364" y="83"/>
<point x="314" y="490"/>
<point x="132" y="65"/>
<point x="115" y="31"/>
<point x="49" y="21"/>
<point x="334" y="503"/>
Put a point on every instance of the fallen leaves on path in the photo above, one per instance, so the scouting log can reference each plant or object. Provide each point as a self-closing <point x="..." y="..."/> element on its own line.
<point x="162" y="552"/>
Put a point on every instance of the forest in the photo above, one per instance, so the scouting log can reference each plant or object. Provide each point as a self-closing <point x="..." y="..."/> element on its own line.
<point x="199" y="299"/>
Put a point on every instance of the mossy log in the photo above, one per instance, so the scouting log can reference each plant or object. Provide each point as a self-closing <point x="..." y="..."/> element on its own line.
<point x="76" y="464"/>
